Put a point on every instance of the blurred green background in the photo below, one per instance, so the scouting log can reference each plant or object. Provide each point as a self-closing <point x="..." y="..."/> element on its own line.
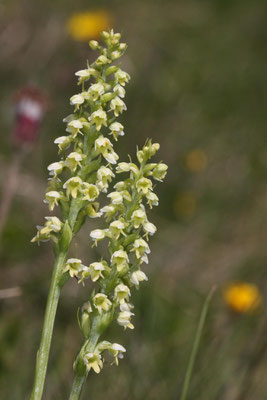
<point x="198" y="87"/>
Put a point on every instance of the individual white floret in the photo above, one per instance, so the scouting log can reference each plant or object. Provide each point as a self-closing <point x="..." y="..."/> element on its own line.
<point x="116" y="229"/>
<point x="101" y="302"/>
<point x="98" y="234"/>
<point x="56" y="168"/>
<point x="104" y="176"/>
<point x="73" y="160"/>
<point x="104" y="146"/>
<point x="74" y="127"/>
<point x="120" y="259"/>
<point x="74" y="267"/>
<point x="141" y="249"/>
<point x="124" y="319"/>
<point x="122" y="77"/>
<point x="116" y="130"/>
<point x="116" y="197"/>
<point x="93" y="361"/>
<point x="119" y="90"/>
<point x="96" y="270"/>
<point x="122" y="293"/>
<point x="77" y="100"/>
<point x="149" y="228"/>
<point x="90" y="192"/>
<point x="99" y="118"/>
<point x="143" y="185"/>
<point x="137" y="277"/>
<point x="118" y="106"/>
<point x="152" y="199"/>
<point x="52" y="198"/>
<point x="73" y="186"/>
<point x="96" y="90"/>
<point x="63" y="142"/>
<point x="138" y="217"/>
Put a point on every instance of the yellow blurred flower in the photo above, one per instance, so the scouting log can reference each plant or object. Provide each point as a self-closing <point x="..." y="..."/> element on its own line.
<point x="185" y="204"/>
<point x="88" y="25"/>
<point x="196" y="160"/>
<point x="242" y="297"/>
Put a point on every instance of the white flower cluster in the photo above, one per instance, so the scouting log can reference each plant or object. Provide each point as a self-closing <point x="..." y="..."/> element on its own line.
<point x="87" y="155"/>
<point x="87" y="167"/>
<point x="128" y="230"/>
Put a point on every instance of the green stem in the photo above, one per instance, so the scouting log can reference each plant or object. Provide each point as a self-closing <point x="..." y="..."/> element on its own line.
<point x="49" y="319"/>
<point x="195" y="347"/>
<point x="80" y="375"/>
<point x="77" y="385"/>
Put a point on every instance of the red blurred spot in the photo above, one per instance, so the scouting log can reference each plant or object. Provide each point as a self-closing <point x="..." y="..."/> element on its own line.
<point x="30" y="106"/>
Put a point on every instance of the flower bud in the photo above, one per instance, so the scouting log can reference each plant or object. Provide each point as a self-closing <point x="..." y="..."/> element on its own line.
<point x="94" y="44"/>
<point x="122" y="47"/>
<point x="115" y="55"/>
<point x="147" y="171"/>
<point x="105" y="35"/>
<point x="102" y="60"/>
<point x="107" y="97"/>
<point x="150" y="149"/>
<point x="140" y="156"/>
<point x="92" y="210"/>
<point x="84" y="319"/>
<point x="160" y="172"/>
<point x="112" y="69"/>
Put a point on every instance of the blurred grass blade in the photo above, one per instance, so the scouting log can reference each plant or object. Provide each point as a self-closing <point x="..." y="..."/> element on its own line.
<point x="10" y="292"/>
<point x="195" y="347"/>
